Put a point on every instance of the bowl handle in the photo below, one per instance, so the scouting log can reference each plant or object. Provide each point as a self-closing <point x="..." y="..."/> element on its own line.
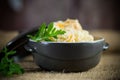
<point x="29" y="49"/>
<point x="106" y="46"/>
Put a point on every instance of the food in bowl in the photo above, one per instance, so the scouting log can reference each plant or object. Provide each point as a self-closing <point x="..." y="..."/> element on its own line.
<point x="74" y="31"/>
<point x="62" y="31"/>
<point x="65" y="46"/>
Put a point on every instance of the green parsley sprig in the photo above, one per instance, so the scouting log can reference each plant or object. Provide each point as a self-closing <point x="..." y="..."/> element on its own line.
<point x="7" y="66"/>
<point x="45" y="33"/>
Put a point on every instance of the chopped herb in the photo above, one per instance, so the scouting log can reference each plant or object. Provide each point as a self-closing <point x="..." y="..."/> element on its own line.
<point x="7" y="66"/>
<point x="45" y="33"/>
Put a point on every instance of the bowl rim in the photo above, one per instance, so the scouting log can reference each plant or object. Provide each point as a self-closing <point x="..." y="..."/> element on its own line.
<point x="97" y="39"/>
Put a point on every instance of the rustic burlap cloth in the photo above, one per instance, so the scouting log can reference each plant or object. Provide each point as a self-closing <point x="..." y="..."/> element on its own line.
<point x="107" y="69"/>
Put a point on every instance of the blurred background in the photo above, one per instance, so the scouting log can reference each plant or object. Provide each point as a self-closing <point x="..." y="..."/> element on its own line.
<point x="100" y="17"/>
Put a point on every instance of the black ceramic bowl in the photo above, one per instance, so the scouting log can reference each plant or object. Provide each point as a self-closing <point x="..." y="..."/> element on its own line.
<point x="68" y="57"/>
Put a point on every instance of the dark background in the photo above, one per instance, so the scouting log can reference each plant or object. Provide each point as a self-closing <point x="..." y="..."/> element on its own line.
<point x="25" y="14"/>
